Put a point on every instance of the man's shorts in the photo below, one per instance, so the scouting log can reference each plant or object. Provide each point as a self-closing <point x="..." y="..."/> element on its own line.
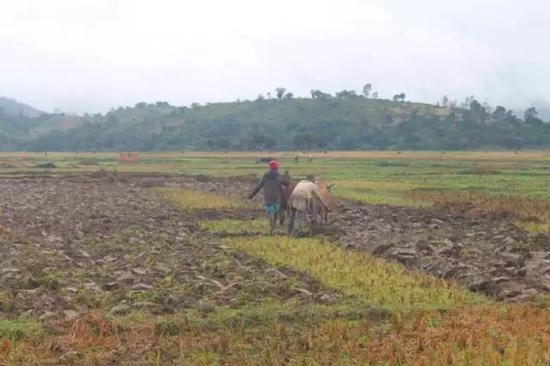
<point x="272" y="208"/>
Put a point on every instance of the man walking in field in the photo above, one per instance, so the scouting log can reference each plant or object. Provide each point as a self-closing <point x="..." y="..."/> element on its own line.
<point x="300" y="201"/>
<point x="272" y="183"/>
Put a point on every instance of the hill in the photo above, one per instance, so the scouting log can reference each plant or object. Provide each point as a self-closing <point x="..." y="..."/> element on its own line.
<point x="300" y="123"/>
<point x="345" y="122"/>
<point x="14" y="108"/>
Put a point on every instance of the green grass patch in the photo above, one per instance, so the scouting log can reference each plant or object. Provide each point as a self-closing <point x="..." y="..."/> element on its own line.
<point x="534" y="227"/>
<point x="190" y="199"/>
<point x="236" y="227"/>
<point x="292" y="312"/>
<point x="377" y="282"/>
<point x="21" y="329"/>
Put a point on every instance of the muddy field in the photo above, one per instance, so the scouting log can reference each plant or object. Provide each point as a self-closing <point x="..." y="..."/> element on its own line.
<point x="75" y="243"/>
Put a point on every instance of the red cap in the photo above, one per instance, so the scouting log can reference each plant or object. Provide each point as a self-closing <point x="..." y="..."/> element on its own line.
<point x="274" y="164"/>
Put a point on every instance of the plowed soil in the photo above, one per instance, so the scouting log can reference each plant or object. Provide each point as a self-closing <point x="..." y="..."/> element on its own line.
<point x="69" y="244"/>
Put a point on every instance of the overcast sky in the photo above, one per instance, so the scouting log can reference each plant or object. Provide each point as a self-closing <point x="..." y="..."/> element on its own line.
<point x="91" y="55"/>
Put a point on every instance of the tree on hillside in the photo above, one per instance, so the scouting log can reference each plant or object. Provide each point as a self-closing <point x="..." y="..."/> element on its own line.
<point x="531" y="116"/>
<point x="499" y="112"/>
<point x="111" y="118"/>
<point x="478" y="111"/>
<point x="288" y="95"/>
<point x="467" y="101"/>
<point x="445" y="102"/>
<point x="317" y="94"/>
<point x="367" y="90"/>
<point x="375" y="95"/>
<point x="475" y="106"/>
<point x="487" y="107"/>
<point x="346" y="94"/>
<point x="399" y="97"/>
<point x="530" y="113"/>
<point x="280" y="92"/>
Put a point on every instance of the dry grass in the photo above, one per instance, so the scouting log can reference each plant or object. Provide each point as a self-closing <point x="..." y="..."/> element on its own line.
<point x="532" y="213"/>
<point x="534" y="227"/>
<point x="539" y="155"/>
<point x="482" y="335"/>
<point x="488" y="335"/>
<point x="190" y="199"/>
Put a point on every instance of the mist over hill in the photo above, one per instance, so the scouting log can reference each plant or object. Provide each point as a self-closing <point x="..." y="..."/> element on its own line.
<point x="345" y="121"/>
<point x="12" y="107"/>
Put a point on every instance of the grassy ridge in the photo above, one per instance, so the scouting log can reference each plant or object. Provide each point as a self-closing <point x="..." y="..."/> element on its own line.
<point x="192" y="199"/>
<point x="385" y="285"/>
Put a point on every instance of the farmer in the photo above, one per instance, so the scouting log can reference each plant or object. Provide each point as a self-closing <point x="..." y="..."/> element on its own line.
<point x="272" y="183"/>
<point x="300" y="200"/>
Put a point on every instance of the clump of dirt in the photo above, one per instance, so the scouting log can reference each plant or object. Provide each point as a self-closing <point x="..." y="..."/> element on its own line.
<point x="491" y="256"/>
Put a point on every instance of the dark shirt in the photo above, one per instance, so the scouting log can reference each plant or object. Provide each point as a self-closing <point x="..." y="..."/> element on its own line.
<point x="271" y="183"/>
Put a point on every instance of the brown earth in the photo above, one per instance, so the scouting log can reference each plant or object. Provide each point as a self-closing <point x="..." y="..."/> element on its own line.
<point x="484" y="254"/>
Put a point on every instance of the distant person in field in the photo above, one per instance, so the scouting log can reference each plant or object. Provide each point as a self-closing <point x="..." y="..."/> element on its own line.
<point x="272" y="183"/>
<point x="300" y="201"/>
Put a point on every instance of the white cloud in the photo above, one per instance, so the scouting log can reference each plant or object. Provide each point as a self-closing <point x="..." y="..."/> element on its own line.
<point x="83" y="55"/>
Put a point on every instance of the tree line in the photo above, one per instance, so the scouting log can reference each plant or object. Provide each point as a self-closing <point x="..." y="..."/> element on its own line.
<point x="346" y="120"/>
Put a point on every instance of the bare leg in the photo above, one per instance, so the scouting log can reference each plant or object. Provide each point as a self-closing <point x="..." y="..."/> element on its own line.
<point x="297" y="221"/>
<point x="282" y="216"/>
<point x="292" y="222"/>
<point x="272" y="222"/>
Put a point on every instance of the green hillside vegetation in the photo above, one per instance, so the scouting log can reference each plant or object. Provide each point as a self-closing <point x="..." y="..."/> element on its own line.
<point x="18" y="131"/>
<point x="346" y="121"/>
